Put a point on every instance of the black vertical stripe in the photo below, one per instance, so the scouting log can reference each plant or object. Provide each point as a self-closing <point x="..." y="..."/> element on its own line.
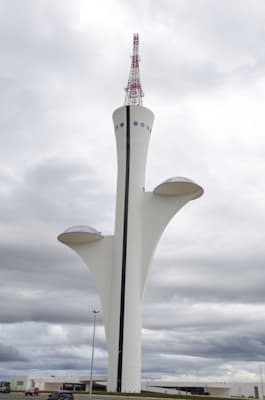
<point x="124" y="250"/>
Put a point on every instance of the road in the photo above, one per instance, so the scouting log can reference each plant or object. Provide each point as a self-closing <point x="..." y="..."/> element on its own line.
<point x="44" y="396"/>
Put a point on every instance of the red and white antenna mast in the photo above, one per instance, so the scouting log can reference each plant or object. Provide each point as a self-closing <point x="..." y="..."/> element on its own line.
<point x="134" y="92"/>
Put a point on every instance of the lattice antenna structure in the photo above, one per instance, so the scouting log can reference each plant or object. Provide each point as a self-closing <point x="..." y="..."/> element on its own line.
<point x="134" y="92"/>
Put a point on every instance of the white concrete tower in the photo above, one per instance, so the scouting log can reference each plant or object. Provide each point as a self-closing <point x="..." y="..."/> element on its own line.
<point x="120" y="263"/>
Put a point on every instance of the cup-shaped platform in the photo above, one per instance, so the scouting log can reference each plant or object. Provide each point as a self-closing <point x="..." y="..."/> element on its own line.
<point x="179" y="186"/>
<point x="79" y="234"/>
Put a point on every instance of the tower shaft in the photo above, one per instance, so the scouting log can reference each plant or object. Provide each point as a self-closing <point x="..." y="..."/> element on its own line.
<point x="132" y="130"/>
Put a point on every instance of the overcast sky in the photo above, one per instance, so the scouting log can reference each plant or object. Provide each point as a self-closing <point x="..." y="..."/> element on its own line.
<point x="63" y="69"/>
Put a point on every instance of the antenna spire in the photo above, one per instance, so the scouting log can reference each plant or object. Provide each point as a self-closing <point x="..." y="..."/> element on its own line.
<point x="134" y="91"/>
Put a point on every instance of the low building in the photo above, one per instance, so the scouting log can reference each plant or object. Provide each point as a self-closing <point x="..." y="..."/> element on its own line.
<point x="219" y="389"/>
<point x="249" y="390"/>
<point x="50" y="383"/>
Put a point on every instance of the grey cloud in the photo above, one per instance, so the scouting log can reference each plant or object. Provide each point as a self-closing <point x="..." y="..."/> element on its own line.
<point x="9" y="353"/>
<point x="186" y="351"/>
<point x="44" y="288"/>
<point x="56" y="188"/>
<point x="202" y="54"/>
<point x="42" y="36"/>
<point x="47" y="307"/>
<point x="56" y="347"/>
<point x="207" y="280"/>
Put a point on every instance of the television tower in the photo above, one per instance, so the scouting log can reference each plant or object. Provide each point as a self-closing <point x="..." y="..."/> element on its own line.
<point x="120" y="263"/>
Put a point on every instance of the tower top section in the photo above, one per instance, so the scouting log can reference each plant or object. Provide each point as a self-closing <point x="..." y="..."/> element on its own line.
<point x="134" y="92"/>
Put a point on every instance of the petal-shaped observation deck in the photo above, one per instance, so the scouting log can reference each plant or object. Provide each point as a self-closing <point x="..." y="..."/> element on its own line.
<point x="179" y="186"/>
<point x="79" y="234"/>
